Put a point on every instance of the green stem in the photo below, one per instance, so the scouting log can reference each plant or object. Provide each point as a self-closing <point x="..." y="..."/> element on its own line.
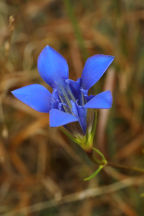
<point x="103" y="161"/>
<point x="118" y="166"/>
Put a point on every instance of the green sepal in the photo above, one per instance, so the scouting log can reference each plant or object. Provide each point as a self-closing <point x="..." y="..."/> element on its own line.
<point x="70" y="136"/>
<point x="84" y="141"/>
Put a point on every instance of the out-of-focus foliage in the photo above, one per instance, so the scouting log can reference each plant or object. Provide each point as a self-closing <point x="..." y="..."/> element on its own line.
<point x="38" y="163"/>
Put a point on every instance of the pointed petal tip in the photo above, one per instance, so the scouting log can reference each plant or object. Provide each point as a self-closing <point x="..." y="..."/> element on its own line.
<point x="111" y="57"/>
<point x="94" y="69"/>
<point x="12" y="92"/>
<point x="15" y="92"/>
<point x="102" y="100"/>
<point x="52" y="66"/>
<point x="35" y="96"/>
<point x="47" y="47"/>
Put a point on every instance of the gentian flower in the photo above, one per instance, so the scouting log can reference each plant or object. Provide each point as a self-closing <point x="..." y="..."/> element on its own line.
<point x="69" y="99"/>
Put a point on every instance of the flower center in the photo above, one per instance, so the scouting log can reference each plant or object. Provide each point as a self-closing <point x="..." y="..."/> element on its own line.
<point x="66" y="96"/>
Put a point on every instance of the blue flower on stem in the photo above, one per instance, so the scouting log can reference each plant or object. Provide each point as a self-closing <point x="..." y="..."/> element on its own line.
<point x="69" y="99"/>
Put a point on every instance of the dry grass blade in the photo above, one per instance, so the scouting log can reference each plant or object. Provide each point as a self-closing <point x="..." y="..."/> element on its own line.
<point x="89" y="193"/>
<point x="39" y="164"/>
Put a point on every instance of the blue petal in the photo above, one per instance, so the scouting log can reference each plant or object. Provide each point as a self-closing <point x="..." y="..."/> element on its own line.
<point x="52" y="66"/>
<point x="59" y="118"/>
<point x="81" y="113"/>
<point x="89" y="97"/>
<point x="100" y="101"/>
<point x="94" y="68"/>
<point x="74" y="86"/>
<point x="36" y="96"/>
<point x="55" y="99"/>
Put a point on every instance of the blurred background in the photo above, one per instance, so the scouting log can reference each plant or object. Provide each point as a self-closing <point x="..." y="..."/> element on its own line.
<point x="41" y="171"/>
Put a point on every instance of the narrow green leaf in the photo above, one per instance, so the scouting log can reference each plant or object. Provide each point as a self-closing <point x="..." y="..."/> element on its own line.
<point x="94" y="173"/>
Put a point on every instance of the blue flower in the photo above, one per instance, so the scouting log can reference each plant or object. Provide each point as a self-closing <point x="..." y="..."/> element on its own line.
<point x="69" y="99"/>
